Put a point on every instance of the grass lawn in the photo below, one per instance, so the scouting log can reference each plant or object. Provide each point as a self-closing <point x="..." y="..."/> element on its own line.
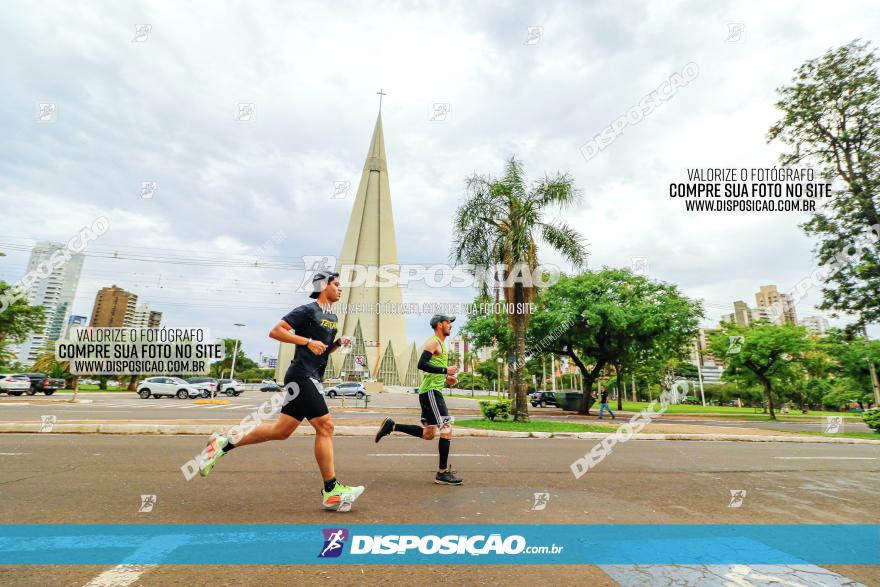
<point x="730" y="410"/>
<point x="533" y="426"/>
<point x="866" y="435"/>
<point x="476" y="396"/>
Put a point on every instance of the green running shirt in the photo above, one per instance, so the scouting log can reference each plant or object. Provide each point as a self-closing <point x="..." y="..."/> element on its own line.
<point x="436" y="381"/>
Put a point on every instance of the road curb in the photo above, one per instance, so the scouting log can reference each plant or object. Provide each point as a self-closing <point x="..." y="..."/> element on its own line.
<point x="204" y="429"/>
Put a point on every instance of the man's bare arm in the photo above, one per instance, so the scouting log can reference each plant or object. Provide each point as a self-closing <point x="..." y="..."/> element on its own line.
<point x="281" y="332"/>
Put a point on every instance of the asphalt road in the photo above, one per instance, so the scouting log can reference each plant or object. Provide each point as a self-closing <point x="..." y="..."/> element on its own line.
<point x="128" y="406"/>
<point x="100" y="479"/>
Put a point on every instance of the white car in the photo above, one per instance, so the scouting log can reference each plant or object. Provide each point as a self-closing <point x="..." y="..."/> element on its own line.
<point x="14" y="384"/>
<point x="170" y="386"/>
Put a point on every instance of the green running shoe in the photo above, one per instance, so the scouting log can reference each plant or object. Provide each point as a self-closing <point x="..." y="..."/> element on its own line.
<point x="212" y="453"/>
<point x="334" y="497"/>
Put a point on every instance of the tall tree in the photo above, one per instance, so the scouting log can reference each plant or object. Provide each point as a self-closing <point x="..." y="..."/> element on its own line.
<point x="613" y="318"/>
<point x="831" y="121"/>
<point x="501" y="222"/>
<point x="765" y="354"/>
<point x="242" y="362"/>
<point x="16" y="321"/>
<point x="852" y="356"/>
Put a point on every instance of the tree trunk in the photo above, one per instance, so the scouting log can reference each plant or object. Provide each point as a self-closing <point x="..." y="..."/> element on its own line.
<point x="588" y="389"/>
<point x="588" y="376"/>
<point x="768" y="393"/>
<point x="621" y="387"/>
<point x="132" y="381"/>
<point x="521" y="412"/>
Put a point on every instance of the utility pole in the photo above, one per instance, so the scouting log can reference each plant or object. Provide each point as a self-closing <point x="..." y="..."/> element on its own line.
<point x="234" y="355"/>
<point x="543" y="376"/>
<point x="700" y="374"/>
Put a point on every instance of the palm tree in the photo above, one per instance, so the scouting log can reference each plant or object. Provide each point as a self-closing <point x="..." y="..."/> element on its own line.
<point x="48" y="364"/>
<point x="500" y="223"/>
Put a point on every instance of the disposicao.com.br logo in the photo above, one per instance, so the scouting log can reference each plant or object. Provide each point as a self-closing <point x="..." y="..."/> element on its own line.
<point x="394" y="544"/>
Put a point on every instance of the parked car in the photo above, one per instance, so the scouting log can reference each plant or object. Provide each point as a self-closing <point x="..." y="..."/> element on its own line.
<point x="210" y="382"/>
<point x="354" y="388"/>
<point x="44" y="383"/>
<point x="270" y="386"/>
<point x="229" y="386"/>
<point x="170" y="386"/>
<point x="543" y="398"/>
<point x="14" y="384"/>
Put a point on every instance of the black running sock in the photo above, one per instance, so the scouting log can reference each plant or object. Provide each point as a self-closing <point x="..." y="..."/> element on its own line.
<point x="329" y="485"/>
<point x="228" y="447"/>
<point x="410" y="429"/>
<point x="444" y="453"/>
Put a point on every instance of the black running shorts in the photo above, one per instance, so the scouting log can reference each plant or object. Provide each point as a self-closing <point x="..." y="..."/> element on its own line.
<point x="434" y="412"/>
<point x="309" y="402"/>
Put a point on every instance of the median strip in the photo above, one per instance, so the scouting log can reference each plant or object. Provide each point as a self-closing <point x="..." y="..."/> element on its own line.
<point x="104" y="427"/>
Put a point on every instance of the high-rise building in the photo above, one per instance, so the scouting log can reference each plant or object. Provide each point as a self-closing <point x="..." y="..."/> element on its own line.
<point x="780" y="306"/>
<point x="710" y="366"/>
<point x="114" y="307"/>
<point x="815" y="324"/>
<point x="457" y="347"/>
<point x="743" y="315"/>
<point x="75" y="321"/>
<point x="145" y="318"/>
<point x="380" y="347"/>
<point x="53" y="293"/>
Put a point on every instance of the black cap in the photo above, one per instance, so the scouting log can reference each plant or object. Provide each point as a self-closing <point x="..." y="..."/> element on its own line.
<point x="438" y="318"/>
<point x="317" y="279"/>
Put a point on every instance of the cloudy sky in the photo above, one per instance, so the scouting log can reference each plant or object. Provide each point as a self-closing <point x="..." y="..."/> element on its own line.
<point x="161" y="105"/>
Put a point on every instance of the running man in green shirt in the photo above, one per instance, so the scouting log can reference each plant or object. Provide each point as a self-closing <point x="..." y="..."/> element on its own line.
<point x="435" y="417"/>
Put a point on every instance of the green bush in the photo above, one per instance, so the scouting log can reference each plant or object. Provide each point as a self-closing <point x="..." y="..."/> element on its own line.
<point x="495" y="409"/>
<point x="872" y="418"/>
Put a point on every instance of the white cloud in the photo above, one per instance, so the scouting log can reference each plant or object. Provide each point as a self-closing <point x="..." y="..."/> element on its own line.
<point x="163" y="110"/>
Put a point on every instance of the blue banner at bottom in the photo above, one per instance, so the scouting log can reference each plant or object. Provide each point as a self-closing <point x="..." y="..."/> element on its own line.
<point x="403" y="544"/>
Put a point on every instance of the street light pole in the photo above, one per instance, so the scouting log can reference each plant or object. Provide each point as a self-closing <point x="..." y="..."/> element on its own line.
<point x="234" y="355"/>
<point x="700" y="374"/>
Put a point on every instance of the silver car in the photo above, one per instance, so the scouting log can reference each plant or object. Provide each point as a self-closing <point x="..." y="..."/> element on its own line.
<point x="170" y="386"/>
<point x="352" y="388"/>
<point x="14" y="384"/>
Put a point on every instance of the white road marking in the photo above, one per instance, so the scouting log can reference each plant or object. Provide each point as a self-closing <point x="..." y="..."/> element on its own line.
<point x="13" y="454"/>
<point x="126" y="574"/>
<point x="119" y="576"/>
<point x="830" y="458"/>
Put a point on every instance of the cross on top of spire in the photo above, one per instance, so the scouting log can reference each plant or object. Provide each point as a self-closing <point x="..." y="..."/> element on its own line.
<point x="380" y="93"/>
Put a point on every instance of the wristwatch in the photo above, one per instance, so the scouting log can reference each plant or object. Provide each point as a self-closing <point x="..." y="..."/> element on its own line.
<point x="308" y="342"/>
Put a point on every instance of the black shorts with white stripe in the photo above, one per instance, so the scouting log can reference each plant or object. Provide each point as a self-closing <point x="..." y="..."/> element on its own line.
<point x="434" y="412"/>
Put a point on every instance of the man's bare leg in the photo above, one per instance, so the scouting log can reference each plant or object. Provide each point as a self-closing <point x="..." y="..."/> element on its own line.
<point x="324" y="445"/>
<point x="282" y="428"/>
<point x="219" y="445"/>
